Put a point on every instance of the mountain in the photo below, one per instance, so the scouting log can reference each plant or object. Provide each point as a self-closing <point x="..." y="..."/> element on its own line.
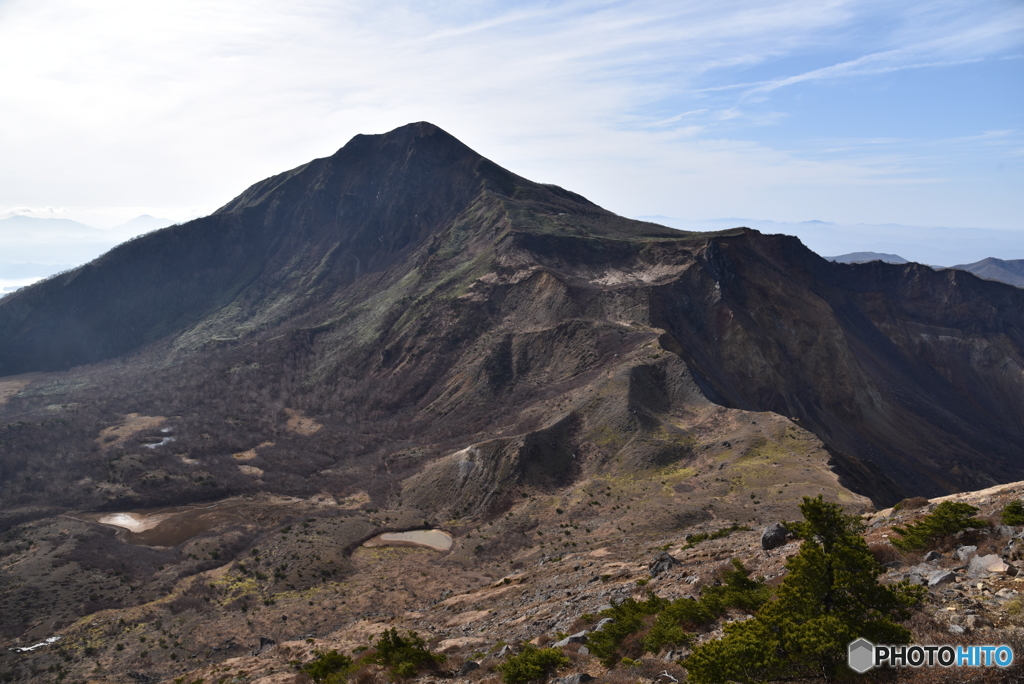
<point x="50" y="241"/>
<point x="1011" y="271"/>
<point x="864" y="257"/>
<point x="406" y="280"/>
<point x="923" y="244"/>
<point x="141" y="224"/>
<point x="209" y="421"/>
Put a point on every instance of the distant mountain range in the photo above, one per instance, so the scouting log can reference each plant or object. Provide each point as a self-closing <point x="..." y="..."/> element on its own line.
<point x="1011" y="272"/>
<point x="33" y="248"/>
<point x="865" y="257"/>
<point x="924" y="245"/>
<point x="1005" y="271"/>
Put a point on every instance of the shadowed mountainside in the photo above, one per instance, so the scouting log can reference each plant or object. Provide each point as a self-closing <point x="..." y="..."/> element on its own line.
<point x="418" y="300"/>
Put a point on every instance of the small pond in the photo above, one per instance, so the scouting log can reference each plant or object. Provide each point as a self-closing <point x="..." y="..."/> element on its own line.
<point x="438" y="540"/>
<point x="168" y="526"/>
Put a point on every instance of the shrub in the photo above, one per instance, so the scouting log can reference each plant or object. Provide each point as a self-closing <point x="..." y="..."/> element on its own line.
<point x="910" y="504"/>
<point x="948" y="518"/>
<point x="403" y="656"/>
<point x="829" y="597"/>
<point x="628" y="618"/>
<point x="737" y="591"/>
<point x="329" y="667"/>
<point x="531" y="664"/>
<point x="1013" y="513"/>
<point x="694" y="539"/>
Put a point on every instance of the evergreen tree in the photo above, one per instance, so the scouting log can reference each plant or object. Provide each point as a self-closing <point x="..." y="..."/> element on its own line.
<point x="830" y="597"/>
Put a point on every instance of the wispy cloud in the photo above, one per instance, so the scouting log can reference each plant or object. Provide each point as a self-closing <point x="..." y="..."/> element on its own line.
<point x="647" y="105"/>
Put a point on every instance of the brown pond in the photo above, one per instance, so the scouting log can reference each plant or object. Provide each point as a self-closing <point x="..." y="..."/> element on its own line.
<point x="438" y="540"/>
<point x="167" y="526"/>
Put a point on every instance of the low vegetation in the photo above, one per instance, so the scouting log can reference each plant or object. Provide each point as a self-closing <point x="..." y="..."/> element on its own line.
<point x="830" y="596"/>
<point x="948" y="518"/>
<point x="403" y="656"/>
<point x="694" y="539"/>
<point x="329" y="667"/>
<point x="532" y="664"/>
<point x="1013" y="513"/>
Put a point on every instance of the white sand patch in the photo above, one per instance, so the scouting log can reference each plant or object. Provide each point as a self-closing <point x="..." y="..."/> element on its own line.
<point x="251" y="470"/>
<point x="133" y="522"/>
<point x="47" y="642"/>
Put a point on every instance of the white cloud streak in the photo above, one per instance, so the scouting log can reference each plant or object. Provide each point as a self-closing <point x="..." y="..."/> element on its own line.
<point x="180" y="105"/>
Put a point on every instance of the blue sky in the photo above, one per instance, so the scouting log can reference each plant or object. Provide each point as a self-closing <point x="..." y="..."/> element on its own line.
<point x="849" y="112"/>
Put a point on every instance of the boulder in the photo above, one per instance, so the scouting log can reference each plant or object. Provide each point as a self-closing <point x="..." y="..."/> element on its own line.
<point x="602" y="622"/>
<point x="932" y="556"/>
<point x="266" y="643"/>
<point x="964" y="553"/>
<point x="468" y="667"/>
<point x="579" y="678"/>
<point x="956" y="629"/>
<point x="577" y="638"/>
<point x="940" y="577"/>
<point x="978" y="622"/>
<point x="774" y="536"/>
<point x="663" y="562"/>
<point x="915" y="578"/>
<point x="982" y="566"/>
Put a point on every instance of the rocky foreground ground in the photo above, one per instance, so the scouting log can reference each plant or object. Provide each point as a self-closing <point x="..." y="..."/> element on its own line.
<point x="478" y="618"/>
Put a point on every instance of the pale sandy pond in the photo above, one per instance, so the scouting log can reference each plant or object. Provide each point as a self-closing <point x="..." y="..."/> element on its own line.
<point x="433" y="539"/>
<point x="167" y="526"/>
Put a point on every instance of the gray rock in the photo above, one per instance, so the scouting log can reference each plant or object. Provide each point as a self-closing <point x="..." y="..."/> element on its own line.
<point x="579" y="678"/>
<point x="956" y="629"/>
<point x="602" y="622"/>
<point x="468" y="667"/>
<point x="983" y="566"/>
<point x="577" y="638"/>
<point x="940" y="577"/>
<point x="774" y="536"/>
<point x="266" y="643"/>
<point x="978" y="622"/>
<point x="584" y="651"/>
<point x="505" y="650"/>
<point x="932" y="556"/>
<point x="663" y="562"/>
<point x="1004" y="531"/>
<point x="915" y="578"/>
<point x="964" y="553"/>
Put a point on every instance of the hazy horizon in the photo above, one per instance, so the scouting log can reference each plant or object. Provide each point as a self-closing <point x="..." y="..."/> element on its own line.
<point x="852" y="112"/>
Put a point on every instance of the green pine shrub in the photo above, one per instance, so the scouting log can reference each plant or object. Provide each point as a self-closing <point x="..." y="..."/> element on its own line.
<point x="829" y="597"/>
<point x="1013" y="513"/>
<point x="531" y="664"/>
<point x="736" y="591"/>
<point x="628" y="618"/>
<point x="403" y="656"/>
<point x="949" y="517"/>
<point x="329" y="667"/>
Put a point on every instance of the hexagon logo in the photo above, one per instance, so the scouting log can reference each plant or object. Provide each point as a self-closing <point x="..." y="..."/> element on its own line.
<point x="861" y="655"/>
